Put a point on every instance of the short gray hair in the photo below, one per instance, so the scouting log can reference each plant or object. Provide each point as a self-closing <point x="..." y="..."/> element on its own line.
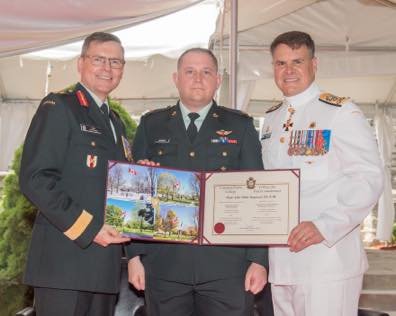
<point x="100" y="37"/>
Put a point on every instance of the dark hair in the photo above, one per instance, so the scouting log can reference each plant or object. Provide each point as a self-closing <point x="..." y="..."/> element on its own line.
<point x="294" y="39"/>
<point x="101" y="37"/>
<point x="198" y="50"/>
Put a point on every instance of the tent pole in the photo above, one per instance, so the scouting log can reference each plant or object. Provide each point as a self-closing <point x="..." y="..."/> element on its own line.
<point x="233" y="55"/>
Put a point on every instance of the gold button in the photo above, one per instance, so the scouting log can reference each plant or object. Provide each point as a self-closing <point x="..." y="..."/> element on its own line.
<point x="93" y="144"/>
<point x="223" y="168"/>
<point x="160" y="152"/>
<point x="192" y="153"/>
<point x="282" y="139"/>
<point x="224" y="154"/>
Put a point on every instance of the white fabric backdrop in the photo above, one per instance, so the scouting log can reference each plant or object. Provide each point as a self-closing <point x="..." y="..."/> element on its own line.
<point x="386" y="142"/>
<point x="14" y="122"/>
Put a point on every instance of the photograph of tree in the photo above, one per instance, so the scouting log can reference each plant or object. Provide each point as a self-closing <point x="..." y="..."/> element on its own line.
<point x="155" y="203"/>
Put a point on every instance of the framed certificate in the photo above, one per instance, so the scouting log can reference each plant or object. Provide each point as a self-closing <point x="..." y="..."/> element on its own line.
<point x="205" y="208"/>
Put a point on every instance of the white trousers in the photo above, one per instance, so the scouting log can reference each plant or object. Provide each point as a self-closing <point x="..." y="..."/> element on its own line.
<point x="337" y="298"/>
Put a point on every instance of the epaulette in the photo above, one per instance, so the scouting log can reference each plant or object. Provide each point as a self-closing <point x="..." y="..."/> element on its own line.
<point x="66" y="91"/>
<point x="333" y="99"/>
<point x="238" y="112"/>
<point x="158" y="110"/>
<point x="274" y="107"/>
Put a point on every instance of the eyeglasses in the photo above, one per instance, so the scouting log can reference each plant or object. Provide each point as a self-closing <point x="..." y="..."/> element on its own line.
<point x="114" y="63"/>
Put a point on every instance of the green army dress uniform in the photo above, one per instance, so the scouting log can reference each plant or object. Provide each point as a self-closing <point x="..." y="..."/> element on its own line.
<point x="63" y="173"/>
<point x="227" y="140"/>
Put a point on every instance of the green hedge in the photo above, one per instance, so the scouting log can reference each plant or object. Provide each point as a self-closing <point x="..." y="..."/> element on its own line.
<point x="16" y="221"/>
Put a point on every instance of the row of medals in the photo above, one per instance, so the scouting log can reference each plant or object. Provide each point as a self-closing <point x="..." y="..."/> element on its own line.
<point x="304" y="142"/>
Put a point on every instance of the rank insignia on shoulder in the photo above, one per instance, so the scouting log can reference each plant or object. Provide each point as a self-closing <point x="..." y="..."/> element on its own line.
<point x="49" y="102"/>
<point x="65" y="91"/>
<point x="274" y="108"/>
<point x="215" y="115"/>
<point x="223" y="133"/>
<point x="333" y="99"/>
<point x="81" y="98"/>
<point x="92" y="161"/>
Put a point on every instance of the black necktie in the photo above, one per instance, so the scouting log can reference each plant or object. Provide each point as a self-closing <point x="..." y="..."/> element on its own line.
<point x="105" y="110"/>
<point x="192" y="130"/>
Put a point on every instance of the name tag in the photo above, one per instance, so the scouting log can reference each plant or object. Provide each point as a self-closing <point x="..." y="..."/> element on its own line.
<point x="89" y="129"/>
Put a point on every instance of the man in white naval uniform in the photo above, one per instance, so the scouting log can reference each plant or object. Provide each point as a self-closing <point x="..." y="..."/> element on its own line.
<point x="328" y="138"/>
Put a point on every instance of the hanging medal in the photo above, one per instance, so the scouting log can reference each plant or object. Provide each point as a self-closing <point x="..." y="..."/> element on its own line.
<point x="289" y="122"/>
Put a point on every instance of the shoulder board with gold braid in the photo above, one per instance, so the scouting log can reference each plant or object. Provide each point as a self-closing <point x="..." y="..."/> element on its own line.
<point x="235" y="111"/>
<point x="333" y="99"/>
<point x="274" y="107"/>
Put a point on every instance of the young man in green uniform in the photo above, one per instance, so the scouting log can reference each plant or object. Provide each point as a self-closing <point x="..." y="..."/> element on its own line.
<point x="198" y="134"/>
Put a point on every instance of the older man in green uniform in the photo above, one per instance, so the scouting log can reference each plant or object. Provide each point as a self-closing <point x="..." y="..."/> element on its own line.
<point x="74" y="259"/>
<point x="198" y="134"/>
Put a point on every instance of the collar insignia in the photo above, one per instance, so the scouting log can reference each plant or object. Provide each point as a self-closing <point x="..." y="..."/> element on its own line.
<point x="82" y="99"/>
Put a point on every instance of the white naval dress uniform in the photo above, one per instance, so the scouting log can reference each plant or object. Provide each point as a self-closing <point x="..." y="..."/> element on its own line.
<point x="338" y="189"/>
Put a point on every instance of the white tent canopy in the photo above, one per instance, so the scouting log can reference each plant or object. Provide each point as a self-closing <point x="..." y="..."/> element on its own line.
<point x="355" y="41"/>
<point x="32" y="25"/>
